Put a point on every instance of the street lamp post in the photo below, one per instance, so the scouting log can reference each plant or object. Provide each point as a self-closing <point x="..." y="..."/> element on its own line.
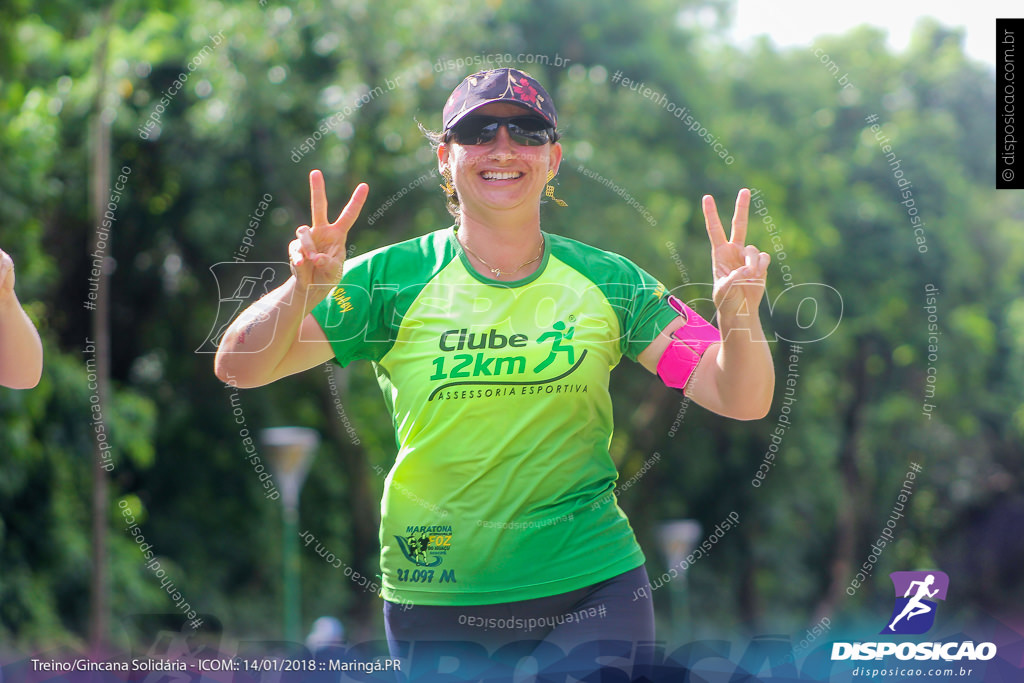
<point x="290" y="451"/>
<point x="677" y="538"/>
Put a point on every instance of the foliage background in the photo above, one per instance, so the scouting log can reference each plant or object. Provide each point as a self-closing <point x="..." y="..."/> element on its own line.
<point x="230" y="136"/>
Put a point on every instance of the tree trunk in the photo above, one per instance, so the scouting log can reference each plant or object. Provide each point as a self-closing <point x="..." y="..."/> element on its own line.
<point x="841" y="563"/>
<point x="365" y="545"/>
<point x="100" y="186"/>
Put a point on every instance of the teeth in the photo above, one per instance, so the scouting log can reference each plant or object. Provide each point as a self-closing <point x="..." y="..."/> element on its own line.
<point x="500" y="175"/>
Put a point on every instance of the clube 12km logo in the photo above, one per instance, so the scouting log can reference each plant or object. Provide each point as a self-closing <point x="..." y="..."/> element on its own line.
<point x="916" y="602"/>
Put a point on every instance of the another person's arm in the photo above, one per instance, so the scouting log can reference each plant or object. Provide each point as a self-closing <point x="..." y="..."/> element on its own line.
<point x="21" y="352"/>
<point x="276" y="336"/>
<point x="735" y="377"/>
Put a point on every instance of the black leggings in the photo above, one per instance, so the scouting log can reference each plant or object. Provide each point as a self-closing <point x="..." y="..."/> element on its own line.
<point x="607" y="627"/>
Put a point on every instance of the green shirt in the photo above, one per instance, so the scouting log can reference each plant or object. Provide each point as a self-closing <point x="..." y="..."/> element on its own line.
<point x="502" y="489"/>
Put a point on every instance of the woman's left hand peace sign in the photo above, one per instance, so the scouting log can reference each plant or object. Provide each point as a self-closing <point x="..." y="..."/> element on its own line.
<point x="739" y="269"/>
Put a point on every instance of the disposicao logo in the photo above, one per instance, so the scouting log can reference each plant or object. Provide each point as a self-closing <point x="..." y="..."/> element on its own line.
<point x="916" y="596"/>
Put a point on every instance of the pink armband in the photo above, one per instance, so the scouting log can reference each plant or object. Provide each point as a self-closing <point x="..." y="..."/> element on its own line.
<point x="688" y="344"/>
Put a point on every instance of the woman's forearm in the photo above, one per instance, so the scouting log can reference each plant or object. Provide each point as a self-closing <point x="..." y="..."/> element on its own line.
<point x="252" y="348"/>
<point x="745" y="374"/>
<point x="21" y="352"/>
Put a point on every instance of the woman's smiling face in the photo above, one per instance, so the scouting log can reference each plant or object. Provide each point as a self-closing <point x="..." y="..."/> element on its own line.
<point x="500" y="174"/>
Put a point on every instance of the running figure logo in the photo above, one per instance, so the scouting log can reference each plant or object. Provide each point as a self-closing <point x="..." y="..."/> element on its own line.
<point x="557" y="335"/>
<point x="916" y="592"/>
<point x="415" y="550"/>
<point x="246" y="282"/>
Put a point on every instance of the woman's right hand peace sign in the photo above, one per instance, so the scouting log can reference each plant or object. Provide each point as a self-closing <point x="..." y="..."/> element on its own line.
<point x="317" y="253"/>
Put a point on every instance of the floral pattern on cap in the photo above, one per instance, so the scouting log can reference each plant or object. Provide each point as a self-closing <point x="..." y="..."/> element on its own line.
<point x="498" y="85"/>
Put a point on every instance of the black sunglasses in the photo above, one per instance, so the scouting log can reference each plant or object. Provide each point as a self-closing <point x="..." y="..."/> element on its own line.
<point x="478" y="129"/>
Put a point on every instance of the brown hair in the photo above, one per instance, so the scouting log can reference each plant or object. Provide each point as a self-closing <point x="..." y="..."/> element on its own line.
<point x="452" y="200"/>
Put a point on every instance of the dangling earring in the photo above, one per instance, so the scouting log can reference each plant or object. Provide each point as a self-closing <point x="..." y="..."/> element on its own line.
<point x="448" y="187"/>
<point x="550" y="191"/>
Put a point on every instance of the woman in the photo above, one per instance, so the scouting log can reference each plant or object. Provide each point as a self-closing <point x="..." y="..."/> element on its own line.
<point x="21" y="352"/>
<point x="492" y="341"/>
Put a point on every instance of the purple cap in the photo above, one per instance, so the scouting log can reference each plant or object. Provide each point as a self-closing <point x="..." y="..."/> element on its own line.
<point x="499" y="85"/>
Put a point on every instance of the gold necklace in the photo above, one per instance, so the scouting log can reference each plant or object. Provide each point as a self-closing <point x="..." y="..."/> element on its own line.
<point x="498" y="272"/>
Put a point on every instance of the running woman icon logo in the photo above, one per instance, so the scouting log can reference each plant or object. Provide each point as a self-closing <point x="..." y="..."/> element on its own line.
<point x="557" y="336"/>
<point x="916" y="596"/>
